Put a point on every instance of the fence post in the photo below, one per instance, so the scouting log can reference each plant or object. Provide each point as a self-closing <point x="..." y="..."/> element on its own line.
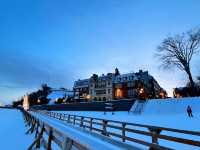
<point x="104" y="132"/>
<point x="68" y="120"/>
<point x="37" y="128"/>
<point x="74" y="120"/>
<point x="40" y="136"/>
<point x="91" y="119"/>
<point x="67" y="144"/>
<point x="155" y="132"/>
<point x="50" y="139"/>
<point x="60" y="116"/>
<point x="33" y="126"/>
<point x="123" y="132"/>
<point x="64" y="117"/>
<point x="81" y="123"/>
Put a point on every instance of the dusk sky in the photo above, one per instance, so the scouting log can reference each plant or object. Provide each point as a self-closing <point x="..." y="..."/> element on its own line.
<point x="57" y="42"/>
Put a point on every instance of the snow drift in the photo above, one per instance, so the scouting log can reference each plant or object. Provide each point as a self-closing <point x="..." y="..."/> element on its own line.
<point x="170" y="106"/>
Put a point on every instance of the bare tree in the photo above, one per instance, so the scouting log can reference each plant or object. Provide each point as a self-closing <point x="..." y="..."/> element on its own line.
<point x="179" y="50"/>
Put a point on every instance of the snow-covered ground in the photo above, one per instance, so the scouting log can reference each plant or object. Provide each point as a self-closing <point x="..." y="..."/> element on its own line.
<point x="169" y="113"/>
<point x="165" y="113"/>
<point x="53" y="96"/>
<point x="12" y="131"/>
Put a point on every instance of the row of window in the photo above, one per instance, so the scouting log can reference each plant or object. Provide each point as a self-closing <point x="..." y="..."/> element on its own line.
<point x="101" y="84"/>
<point x="125" y="78"/>
<point x="97" y="92"/>
<point x="100" y="99"/>
<point x="129" y="84"/>
<point x="81" y="82"/>
<point x="81" y="89"/>
<point x="132" y="92"/>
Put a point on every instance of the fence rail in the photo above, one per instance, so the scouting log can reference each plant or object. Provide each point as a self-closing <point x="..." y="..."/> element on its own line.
<point x="105" y="127"/>
<point x="48" y="131"/>
<point x="53" y="135"/>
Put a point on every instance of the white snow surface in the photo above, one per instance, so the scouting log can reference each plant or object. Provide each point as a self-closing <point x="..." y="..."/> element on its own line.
<point x="172" y="106"/>
<point x="165" y="113"/>
<point x="170" y="113"/>
<point x="12" y="131"/>
<point x="57" y="94"/>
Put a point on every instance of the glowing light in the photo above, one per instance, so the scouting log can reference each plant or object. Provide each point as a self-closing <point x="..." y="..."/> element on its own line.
<point x="26" y="103"/>
<point x="162" y="94"/>
<point x="178" y="95"/>
<point x="141" y="91"/>
<point x="88" y="97"/>
<point x="118" y="93"/>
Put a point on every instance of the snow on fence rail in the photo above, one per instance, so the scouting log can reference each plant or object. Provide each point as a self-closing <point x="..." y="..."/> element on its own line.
<point x="49" y="131"/>
<point x="125" y="129"/>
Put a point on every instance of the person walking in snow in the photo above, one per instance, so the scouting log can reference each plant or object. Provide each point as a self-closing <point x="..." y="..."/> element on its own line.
<point x="189" y="111"/>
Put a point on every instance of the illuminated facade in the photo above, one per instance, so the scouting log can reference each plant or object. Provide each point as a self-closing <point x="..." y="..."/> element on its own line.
<point x="181" y="92"/>
<point x="137" y="85"/>
<point x="121" y="86"/>
<point x="81" y="89"/>
<point x="101" y="88"/>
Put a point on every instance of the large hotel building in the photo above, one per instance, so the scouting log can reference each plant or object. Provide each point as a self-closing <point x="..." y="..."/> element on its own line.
<point x="119" y="86"/>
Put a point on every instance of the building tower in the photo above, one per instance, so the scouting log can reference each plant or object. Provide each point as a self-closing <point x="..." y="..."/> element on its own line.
<point x="26" y="104"/>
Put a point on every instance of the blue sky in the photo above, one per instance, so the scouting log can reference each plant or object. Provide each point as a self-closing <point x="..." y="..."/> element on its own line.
<point x="57" y="42"/>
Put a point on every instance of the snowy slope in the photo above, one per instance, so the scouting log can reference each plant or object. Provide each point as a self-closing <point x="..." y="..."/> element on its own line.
<point x="57" y="94"/>
<point x="165" y="113"/>
<point x="171" y="106"/>
<point x="12" y="131"/>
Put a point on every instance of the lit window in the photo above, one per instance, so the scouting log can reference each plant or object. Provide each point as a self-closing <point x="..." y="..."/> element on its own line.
<point x="118" y="93"/>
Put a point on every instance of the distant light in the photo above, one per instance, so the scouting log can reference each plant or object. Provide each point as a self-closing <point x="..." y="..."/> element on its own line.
<point x="88" y="97"/>
<point x="119" y="93"/>
<point x="141" y="91"/>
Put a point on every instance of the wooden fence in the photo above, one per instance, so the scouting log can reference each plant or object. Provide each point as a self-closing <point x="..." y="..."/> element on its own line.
<point x="105" y="127"/>
<point x="53" y="135"/>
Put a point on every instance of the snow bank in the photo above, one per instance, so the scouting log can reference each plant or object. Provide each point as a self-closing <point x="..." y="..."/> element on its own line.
<point x="171" y="106"/>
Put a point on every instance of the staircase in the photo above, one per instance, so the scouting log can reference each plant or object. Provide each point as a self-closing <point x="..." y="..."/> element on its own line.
<point x="138" y="107"/>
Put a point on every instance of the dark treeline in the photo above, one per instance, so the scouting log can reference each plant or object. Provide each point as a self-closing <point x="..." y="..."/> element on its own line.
<point x="36" y="98"/>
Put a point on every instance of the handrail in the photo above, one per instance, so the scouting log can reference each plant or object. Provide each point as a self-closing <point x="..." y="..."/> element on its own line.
<point x="63" y="141"/>
<point x="63" y="138"/>
<point x="152" y="131"/>
<point x="141" y="125"/>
